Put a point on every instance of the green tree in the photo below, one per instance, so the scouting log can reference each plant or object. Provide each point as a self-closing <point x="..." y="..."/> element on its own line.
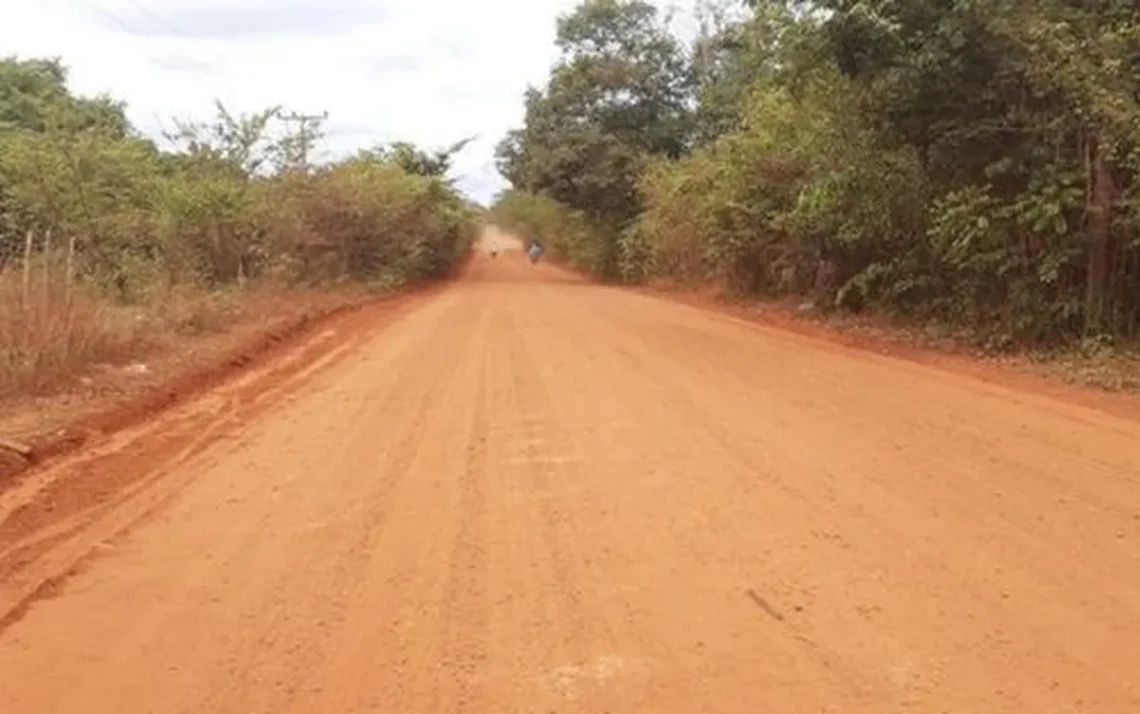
<point x="970" y="161"/>
<point x="621" y="92"/>
<point x="34" y="97"/>
<point x="419" y="162"/>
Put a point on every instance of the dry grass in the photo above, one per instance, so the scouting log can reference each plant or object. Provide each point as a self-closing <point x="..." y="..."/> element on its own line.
<point x="52" y="332"/>
<point x="49" y="330"/>
<point x="1113" y="371"/>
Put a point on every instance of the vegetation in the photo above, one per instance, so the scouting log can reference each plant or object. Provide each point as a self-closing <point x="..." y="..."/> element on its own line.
<point x="96" y="222"/>
<point x="966" y="162"/>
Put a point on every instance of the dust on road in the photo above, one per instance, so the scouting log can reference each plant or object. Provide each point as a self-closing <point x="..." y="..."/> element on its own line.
<point x="530" y="494"/>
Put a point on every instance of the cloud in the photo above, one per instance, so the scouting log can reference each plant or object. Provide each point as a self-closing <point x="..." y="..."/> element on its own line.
<point x="426" y="71"/>
<point x="241" y="20"/>
<point x="392" y="63"/>
<point x="182" y="63"/>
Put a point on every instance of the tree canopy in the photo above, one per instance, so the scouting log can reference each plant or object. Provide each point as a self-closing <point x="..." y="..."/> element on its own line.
<point x="971" y="162"/>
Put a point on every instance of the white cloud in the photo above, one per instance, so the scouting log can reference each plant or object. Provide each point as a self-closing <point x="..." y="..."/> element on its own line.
<point x="427" y="71"/>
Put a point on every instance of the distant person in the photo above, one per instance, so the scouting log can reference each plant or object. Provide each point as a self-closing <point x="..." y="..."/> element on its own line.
<point x="535" y="251"/>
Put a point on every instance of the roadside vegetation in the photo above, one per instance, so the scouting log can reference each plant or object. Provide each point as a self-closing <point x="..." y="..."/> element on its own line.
<point x="973" y="164"/>
<point x="109" y="242"/>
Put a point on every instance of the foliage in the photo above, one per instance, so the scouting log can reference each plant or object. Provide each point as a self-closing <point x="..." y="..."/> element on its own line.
<point x="618" y="95"/>
<point x="235" y="200"/>
<point x="34" y="97"/>
<point x="419" y="162"/>
<point x="973" y="162"/>
<point x="107" y="222"/>
<point x="568" y="235"/>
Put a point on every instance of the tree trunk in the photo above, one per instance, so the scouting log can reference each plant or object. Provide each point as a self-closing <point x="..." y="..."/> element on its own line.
<point x="1101" y="193"/>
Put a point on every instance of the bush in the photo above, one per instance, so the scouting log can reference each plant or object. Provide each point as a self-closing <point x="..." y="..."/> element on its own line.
<point x="974" y="163"/>
<point x="567" y="235"/>
<point x="107" y="222"/>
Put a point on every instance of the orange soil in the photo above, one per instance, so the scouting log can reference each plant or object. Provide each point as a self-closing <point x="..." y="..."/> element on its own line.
<point x="526" y="493"/>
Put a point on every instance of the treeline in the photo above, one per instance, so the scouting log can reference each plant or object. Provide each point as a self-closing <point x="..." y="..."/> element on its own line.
<point x="236" y="199"/>
<point x="96" y="218"/>
<point x="967" y="162"/>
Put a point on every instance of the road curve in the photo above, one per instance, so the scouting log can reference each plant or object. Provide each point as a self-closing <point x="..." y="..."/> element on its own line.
<point x="526" y="493"/>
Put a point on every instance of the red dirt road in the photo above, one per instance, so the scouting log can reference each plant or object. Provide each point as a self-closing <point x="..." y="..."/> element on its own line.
<point x="529" y="494"/>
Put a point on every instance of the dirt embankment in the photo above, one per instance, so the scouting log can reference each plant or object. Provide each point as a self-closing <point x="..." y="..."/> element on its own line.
<point x="110" y="397"/>
<point x="1108" y="383"/>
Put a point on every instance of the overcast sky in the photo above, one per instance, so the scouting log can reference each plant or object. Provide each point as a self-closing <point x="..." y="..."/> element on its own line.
<point x="428" y="71"/>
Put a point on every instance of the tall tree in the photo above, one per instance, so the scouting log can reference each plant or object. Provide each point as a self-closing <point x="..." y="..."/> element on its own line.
<point x="621" y="91"/>
<point x="34" y="97"/>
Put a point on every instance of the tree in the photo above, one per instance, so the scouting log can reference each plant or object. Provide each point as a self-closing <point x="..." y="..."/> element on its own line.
<point x="621" y="91"/>
<point x="737" y="52"/>
<point x="34" y="97"/>
<point x="243" y="142"/>
<point x="419" y="162"/>
<point x="1031" y="109"/>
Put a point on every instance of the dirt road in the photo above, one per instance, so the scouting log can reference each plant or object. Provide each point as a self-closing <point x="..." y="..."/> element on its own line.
<point x="528" y="494"/>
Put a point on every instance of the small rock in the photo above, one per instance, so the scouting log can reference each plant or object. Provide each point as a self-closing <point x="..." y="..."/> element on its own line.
<point x="137" y="369"/>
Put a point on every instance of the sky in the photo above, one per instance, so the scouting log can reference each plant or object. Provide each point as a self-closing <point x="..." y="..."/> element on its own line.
<point x="427" y="71"/>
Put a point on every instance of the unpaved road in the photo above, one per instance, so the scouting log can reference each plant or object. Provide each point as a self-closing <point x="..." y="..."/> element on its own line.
<point x="528" y="494"/>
